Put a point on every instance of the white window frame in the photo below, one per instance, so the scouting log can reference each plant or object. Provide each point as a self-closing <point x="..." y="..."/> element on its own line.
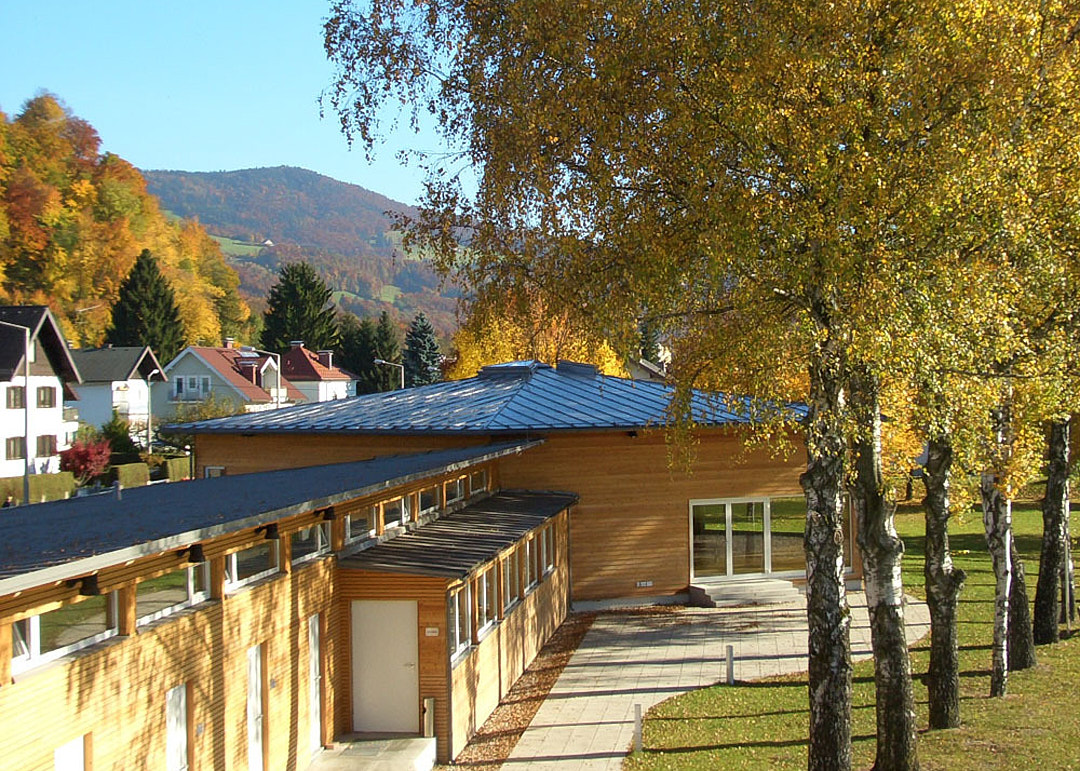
<point x="232" y="583"/>
<point x="373" y="512"/>
<point x="475" y="489"/>
<point x="193" y="597"/>
<point x="405" y="508"/>
<point x="204" y="385"/>
<point x="420" y="498"/>
<point x="487" y="601"/>
<point x="177" y="749"/>
<point x="458" y="487"/>
<point x="322" y="537"/>
<point x="511" y="580"/>
<point x="547" y="549"/>
<point x="532" y="576"/>
<point x="33" y="657"/>
<point x="460" y="643"/>
<point x="213" y="472"/>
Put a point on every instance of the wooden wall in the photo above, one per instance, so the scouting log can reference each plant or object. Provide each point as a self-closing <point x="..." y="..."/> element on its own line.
<point x="116" y="691"/>
<point x="430" y="596"/>
<point x="482" y="678"/>
<point x="632" y="523"/>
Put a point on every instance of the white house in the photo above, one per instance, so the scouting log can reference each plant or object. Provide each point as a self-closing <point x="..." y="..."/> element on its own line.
<point x="314" y="374"/>
<point x="34" y="424"/>
<point x="248" y="378"/>
<point x="116" y="379"/>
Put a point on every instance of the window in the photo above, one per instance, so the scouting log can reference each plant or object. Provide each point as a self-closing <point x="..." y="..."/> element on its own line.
<point x="486" y="600"/>
<point x="455" y="490"/>
<point x="251" y="564"/>
<point x="361" y="524"/>
<point x="16" y="448"/>
<point x="460" y="601"/>
<point x="46" y="445"/>
<point x="530" y="563"/>
<point x="159" y="597"/>
<point x="16" y="397"/>
<point x="178" y="387"/>
<point x="46" y="396"/>
<point x="48" y="636"/>
<point x="211" y="472"/>
<point x="176" y="733"/>
<point x="547" y="548"/>
<point x="311" y="542"/>
<point x="429" y="500"/>
<point x="396" y="512"/>
<point x="204" y="385"/>
<point x="478" y="482"/>
<point x="511" y="579"/>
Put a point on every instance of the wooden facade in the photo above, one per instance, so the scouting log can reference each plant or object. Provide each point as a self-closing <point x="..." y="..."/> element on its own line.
<point x="630" y="532"/>
<point x="112" y="696"/>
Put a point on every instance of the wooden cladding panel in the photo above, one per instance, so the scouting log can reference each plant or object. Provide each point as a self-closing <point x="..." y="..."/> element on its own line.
<point x="485" y="675"/>
<point x="429" y="593"/>
<point x="115" y="691"/>
<point x="632" y="521"/>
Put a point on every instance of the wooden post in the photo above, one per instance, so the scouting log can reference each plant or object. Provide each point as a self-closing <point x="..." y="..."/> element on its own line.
<point x="126" y="609"/>
<point x="217" y="577"/>
<point x="6" y="652"/>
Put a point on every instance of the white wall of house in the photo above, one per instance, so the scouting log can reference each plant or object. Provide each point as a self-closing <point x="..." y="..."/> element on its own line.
<point x="49" y="431"/>
<point x="129" y="398"/>
<point x="324" y="390"/>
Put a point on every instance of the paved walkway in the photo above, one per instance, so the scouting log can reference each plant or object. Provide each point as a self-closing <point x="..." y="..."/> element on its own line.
<point x="587" y="720"/>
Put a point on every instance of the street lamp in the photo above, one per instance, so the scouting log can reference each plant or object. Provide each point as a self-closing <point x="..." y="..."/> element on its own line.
<point x="150" y="407"/>
<point x="26" y="407"/>
<point x="392" y="364"/>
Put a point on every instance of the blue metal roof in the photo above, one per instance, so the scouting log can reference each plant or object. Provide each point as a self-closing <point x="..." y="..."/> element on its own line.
<point x="518" y="397"/>
<point x="57" y="540"/>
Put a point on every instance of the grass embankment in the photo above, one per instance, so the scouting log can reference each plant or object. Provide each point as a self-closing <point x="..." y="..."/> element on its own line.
<point x="762" y="725"/>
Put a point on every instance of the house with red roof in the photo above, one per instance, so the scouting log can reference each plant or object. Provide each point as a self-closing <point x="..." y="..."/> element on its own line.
<point x="314" y="374"/>
<point x="249" y="378"/>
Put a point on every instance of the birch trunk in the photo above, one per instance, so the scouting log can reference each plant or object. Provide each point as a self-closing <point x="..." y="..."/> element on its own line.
<point x="997" y="522"/>
<point x="1055" y="542"/>
<point x="1021" y="641"/>
<point x="943" y="584"/>
<point x="828" y="616"/>
<point x="882" y="550"/>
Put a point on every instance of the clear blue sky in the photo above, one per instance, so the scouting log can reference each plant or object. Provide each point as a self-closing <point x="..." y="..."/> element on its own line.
<point x="195" y="85"/>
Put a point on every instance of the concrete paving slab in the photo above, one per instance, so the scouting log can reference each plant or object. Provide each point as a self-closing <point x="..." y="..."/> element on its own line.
<point x="587" y="720"/>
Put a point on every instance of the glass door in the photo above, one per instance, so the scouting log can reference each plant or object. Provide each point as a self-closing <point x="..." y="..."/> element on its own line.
<point x="729" y="538"/>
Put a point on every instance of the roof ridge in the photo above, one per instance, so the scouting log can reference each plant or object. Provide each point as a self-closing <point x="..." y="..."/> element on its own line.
<point x="518" y="387"/>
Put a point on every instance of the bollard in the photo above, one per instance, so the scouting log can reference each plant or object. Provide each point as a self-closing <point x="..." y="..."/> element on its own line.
<point x="731" y="665"/>
<point x="637" y="728"/>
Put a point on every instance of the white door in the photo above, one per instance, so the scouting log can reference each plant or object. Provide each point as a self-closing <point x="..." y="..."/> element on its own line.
<point x="255" y="709"/>
<point x="70" y="756"/>
<point x="176" y="749"/>
<point x="315" y="681"/>
<point x="385" y="671"/>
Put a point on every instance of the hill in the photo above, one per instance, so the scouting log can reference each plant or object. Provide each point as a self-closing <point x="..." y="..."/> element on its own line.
<point x="343" y="230"/>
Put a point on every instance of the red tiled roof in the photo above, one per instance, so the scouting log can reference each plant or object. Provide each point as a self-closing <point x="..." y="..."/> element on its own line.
<point x="226" y="362"/>
<point x="301" y="364"/>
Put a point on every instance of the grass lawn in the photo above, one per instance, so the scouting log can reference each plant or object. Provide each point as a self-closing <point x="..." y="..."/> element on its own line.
<point x="762" y="725"/>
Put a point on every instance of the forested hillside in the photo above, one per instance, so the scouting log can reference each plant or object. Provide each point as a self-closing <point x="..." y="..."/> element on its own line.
<point x="73" y="221"/>
<point x="343" y="230"/>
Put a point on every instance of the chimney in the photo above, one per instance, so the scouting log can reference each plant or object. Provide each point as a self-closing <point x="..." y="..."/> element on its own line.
<point x="229" y="342"/>
<point x="326" y="358"/>
<point x="247" y="371"/>
<point x="296" y="343"/>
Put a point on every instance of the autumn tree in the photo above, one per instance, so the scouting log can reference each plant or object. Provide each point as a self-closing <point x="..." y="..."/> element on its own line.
<point x="299" y="307"/>
<point x="421" y="357"/>
<point x="73" y="220"/>
<point x="146" y="313"/>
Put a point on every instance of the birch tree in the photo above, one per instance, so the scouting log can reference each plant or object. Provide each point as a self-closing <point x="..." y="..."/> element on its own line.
<point x="759" y="176"/>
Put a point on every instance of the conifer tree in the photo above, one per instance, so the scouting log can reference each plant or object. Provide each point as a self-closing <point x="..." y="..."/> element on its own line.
<point x="387" y="348"/>
<point x="299" y="307"/>
<point x="358" y="352"/>
<point x="145" y="312"/>
<point x="422" y="356"/>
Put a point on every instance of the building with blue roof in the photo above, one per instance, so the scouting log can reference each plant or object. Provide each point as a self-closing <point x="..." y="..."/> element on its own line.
<point x="645" y="529"/>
